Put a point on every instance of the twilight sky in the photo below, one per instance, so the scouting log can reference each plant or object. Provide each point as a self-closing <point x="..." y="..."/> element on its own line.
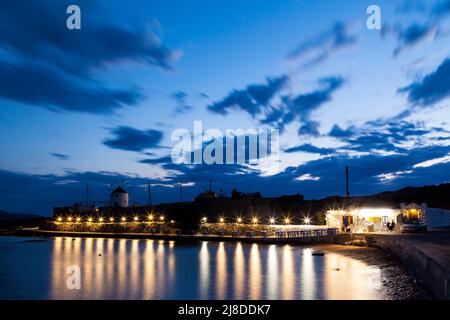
<point x="99" y="104"/>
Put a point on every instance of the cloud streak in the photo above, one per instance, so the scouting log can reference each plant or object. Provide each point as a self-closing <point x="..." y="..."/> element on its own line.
<point x="317" y="50"/>
<point x="130" y="139"/>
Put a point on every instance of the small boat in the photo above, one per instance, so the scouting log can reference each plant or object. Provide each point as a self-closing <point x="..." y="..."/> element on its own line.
<point x="318" y="254"/>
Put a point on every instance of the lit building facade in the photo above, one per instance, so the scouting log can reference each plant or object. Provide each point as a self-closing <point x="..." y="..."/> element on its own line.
<point x="362" y="220"/>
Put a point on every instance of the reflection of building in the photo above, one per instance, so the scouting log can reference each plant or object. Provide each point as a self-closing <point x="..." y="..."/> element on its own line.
<point x="363" y="219"/>
<point x="119" y="198"/>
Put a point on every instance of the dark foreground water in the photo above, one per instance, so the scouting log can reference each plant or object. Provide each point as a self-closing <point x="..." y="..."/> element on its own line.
<point x="156" y="269"/>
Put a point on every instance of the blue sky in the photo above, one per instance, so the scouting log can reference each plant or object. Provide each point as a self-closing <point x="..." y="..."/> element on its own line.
<point x="99" y="104"/>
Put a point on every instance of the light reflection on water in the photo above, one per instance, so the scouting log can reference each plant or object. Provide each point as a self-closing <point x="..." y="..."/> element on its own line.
<point x="157" y="269"/>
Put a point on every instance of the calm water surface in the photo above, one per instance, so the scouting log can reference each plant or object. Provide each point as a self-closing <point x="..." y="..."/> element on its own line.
<point x="157" y="269"/>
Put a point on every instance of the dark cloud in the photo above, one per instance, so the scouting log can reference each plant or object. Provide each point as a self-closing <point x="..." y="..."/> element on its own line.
<point x="54" y="67"/>
<point x="383" y="136"/>
<point x="311" y="149"/>
<point x="60" y="156"/>
<point x="411" y="7"/>
<point x="338" y="132"/>
<point x="161" y="160"/>
<point x="40" y="33"/>
<point x="432" y="88"/>
<point x="130" y="139"/>
<point x="441" y="8"/>
<point x="414" y="34"/>
<point x="45" y="87"/>
<point x="256" y="100"/>
<point x="304" y="104"/>
<point x="322" y="46"/>
<point x="180" y="99"/>
<point x="253" y="99"/>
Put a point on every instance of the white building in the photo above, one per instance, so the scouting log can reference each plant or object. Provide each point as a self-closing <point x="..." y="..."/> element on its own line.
<point x="360" y="220"/>
<point x="119" y="198"/>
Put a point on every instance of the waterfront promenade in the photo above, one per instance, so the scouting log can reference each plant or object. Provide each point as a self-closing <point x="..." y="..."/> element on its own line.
<point x="426" y="256"/>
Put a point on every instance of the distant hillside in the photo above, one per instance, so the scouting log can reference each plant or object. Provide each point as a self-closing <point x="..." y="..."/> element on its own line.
<point x="435" y="196"/>
<point x="8" y="220"/>
<point x="16" y="216"/>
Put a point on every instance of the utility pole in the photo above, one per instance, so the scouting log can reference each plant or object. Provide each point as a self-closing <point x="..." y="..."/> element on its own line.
<point x="149" y="189"/>
<point x="347" y="194"/>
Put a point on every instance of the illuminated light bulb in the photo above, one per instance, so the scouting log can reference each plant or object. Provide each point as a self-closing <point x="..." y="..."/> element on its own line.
<point x="150" y="217"/>
<point x="124" y="219"/>
<point x="171" y="221"/>
<point x="272" y="221"/>
<point x="59" y="219"/>
<point x="255" y="220"/>
<point x="204" y="219"/>
<point x="78" y="219"/>
<point x="287" y="221"/>
<point x="307" y="220"/>
<point x="111" y="219"/>
<point x="69" y="218"/>
<point x="161" y="218"/>
<point x="90" y="219"/>
<point x="136" y="218"/>
<point x="239" y="220"/>
<point x="100" y="219"/>
<point x="221" y="220"/>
